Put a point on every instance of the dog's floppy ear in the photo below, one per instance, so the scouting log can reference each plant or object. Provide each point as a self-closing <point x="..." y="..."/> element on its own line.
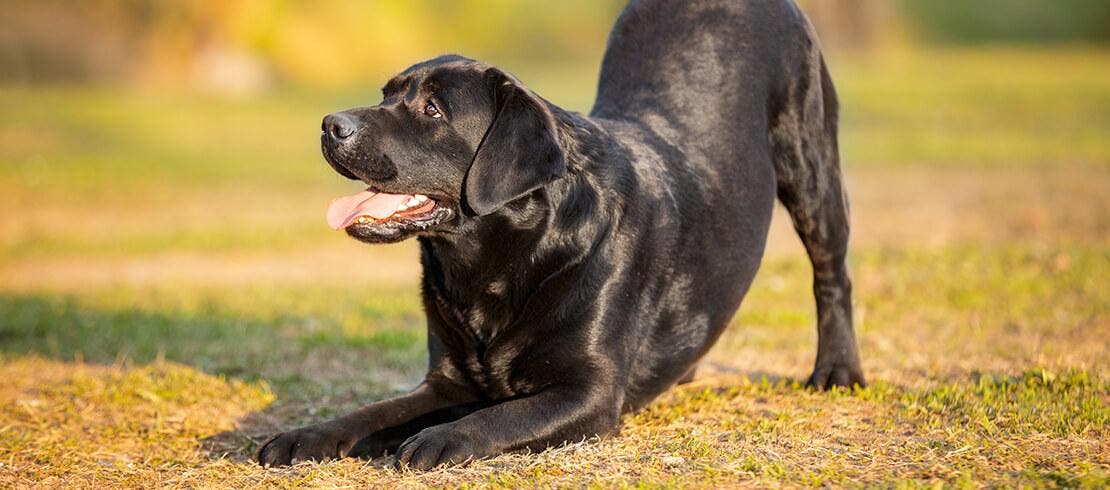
<point x="520" y="151"/>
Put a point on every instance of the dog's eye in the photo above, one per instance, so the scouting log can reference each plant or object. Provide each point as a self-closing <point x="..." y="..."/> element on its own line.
<point x="431" y="110"/>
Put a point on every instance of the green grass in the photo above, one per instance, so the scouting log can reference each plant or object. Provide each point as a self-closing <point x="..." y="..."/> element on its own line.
<point x="997" y="107"/>
<point x="170" y="296"/>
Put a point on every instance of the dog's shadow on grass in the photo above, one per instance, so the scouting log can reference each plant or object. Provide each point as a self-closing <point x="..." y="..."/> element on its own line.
<point x="242" y="443"/>
<point x="714" y="373"/>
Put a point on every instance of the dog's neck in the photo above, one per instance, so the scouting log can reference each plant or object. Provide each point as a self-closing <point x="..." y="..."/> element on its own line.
<point x="531" y="238"/>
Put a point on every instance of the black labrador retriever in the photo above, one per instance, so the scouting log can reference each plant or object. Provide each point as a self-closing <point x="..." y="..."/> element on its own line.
<point x="575" y="267"/>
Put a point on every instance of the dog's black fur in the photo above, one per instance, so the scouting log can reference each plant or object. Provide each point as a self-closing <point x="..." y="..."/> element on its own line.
<point x="576" y="267"/>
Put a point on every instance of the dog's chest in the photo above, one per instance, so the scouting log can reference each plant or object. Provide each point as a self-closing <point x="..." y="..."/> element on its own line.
<point x="474" y="335"/>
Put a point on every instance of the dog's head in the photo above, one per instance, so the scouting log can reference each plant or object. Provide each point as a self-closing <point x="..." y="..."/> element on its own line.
<point x="452" y="140"/>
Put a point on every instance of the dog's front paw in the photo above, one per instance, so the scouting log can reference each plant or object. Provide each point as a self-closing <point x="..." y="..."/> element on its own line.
<point x="314" y="443"/>
<point x="834" y="375"/>
<point x="439" y="445"/>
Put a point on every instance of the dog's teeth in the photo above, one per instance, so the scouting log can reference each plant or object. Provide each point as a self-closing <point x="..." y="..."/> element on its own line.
<point x="363" y="219"/>
<point x="420" y="198"/>
<point x="411" y="202"/>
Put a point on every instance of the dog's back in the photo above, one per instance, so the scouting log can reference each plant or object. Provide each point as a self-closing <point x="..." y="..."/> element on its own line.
<point x="697" y="71"/>
<point x="735" y="100"/>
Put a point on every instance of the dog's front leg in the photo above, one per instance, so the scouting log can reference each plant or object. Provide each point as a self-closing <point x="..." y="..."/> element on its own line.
<point x="550" y="417"/>
<point x="366" y="432"/>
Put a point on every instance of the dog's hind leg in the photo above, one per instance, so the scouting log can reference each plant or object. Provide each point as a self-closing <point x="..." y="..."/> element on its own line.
<point x="803" y="139"/>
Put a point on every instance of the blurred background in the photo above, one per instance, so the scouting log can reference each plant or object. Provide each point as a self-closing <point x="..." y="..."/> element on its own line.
<point x="162" y="193"/>
<point x="172" y="146"/>
<point x="251" y="46"/>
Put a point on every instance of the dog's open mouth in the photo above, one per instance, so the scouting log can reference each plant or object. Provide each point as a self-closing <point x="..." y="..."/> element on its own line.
<point x="372" y="207"/>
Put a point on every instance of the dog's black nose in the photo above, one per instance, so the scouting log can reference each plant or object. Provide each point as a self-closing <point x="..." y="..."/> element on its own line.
<point x="339" y="126"/>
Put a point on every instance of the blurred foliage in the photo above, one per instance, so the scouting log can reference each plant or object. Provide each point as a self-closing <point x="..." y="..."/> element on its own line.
<point x="1011" y="21"/>
<point x="322" y="42"/>
<point x="250" y="45"/>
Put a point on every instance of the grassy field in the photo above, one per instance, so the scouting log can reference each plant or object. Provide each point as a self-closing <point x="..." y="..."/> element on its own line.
<point x="170" y="296"/>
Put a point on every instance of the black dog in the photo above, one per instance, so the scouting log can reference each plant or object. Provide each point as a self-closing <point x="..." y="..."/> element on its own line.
<point x="576" y="267"/>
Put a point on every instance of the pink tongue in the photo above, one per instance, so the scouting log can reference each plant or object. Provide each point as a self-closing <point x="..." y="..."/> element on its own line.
<point x="345" y="210"/>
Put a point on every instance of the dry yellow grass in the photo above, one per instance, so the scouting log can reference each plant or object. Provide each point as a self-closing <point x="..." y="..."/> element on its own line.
<point x="83" y="426"/>
<point x="73" y="424"/>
